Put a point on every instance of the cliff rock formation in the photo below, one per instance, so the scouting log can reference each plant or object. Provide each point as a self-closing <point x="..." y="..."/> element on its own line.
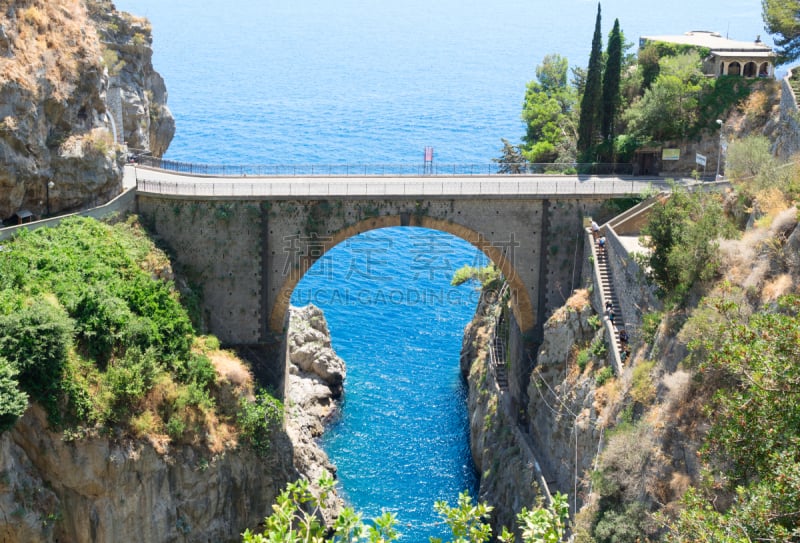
<point x="76" y="81"/>
<point x="503" y="455"/>
<point x="98" y="489"/>
<point x="314" y="378"/>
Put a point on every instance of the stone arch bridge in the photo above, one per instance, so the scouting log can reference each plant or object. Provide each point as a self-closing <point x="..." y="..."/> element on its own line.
<point x="247" y="242"/>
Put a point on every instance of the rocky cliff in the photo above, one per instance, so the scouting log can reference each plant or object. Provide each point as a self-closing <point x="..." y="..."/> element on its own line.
<point x="503" y="455"/>
<point x="76" y="81"/>
<point x="314" y="379"/>
<point x="92" y="487"/>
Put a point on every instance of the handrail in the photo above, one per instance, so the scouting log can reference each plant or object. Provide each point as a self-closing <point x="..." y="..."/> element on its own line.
<point x="616" y="358"/>
<point x="171" y="184"/>
<point x="390" y="169"/>
<point x="505" y="402"/>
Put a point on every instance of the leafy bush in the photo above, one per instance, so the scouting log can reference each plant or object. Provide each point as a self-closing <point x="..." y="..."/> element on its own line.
<point x="650" y="323"/>
<point x="35" y="341"/>
<point x="13" y="401"/>
<point x="487" y="276"/>
<point x="752" y="451"/>
<point x="257" y="420"/>
<point x="583" y="359"/>
<point x="682" y="233"/>
<point x="603" y="375"/>
<point x="598" y="347"/>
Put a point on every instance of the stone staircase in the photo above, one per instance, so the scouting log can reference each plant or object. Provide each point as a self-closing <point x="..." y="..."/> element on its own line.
<point x="608" y="293"/>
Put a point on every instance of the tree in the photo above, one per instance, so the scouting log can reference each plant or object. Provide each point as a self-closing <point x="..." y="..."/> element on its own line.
<point x="611" y="83"/>
<point x="512" y="160"/>
<point x="752" y="448"/>
<point x="590" y="103"/>
<point x="682" y="234"/>
<point x="547" y="111"/>
<point x="669" y="108"/>
<point x="782" y="20"/>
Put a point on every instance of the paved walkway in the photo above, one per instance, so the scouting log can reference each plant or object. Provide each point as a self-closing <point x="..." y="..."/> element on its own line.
<point x="491" y="186"/>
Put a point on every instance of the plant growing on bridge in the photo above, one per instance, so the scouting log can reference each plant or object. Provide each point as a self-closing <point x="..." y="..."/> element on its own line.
<point x="488" y="276"/>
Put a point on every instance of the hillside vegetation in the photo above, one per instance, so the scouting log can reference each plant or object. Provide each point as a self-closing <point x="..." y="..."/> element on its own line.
<point x="92" y="328"/>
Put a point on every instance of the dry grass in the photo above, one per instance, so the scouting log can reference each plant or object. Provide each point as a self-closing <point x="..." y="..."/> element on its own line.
<point x="48" y="41"/>
<point x="776" y="288"/>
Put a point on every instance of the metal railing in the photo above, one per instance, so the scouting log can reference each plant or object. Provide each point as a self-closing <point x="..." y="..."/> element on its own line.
<point x="147" y="182"/>
<point x="355" y="170"/>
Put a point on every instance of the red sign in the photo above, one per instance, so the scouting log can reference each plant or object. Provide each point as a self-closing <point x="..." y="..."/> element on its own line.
<point x="428" y="154"/>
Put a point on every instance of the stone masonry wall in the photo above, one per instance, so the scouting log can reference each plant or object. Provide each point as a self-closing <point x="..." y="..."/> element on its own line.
<point x="787" y="143"/>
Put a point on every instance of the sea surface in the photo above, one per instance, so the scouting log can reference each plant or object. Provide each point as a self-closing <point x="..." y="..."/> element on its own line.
<point x="375" y="82"/>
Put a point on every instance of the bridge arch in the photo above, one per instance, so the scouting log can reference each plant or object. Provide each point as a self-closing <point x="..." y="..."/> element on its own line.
<point x="522" y="305"/>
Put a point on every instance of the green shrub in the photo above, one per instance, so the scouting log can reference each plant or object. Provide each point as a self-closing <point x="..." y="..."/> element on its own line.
<point x="13" y="401"/>
<point x="650" y="323"/>
<point x="598" y="347"/>
<point x="131" y="377"/>
<point x="35" y="341"/>
<point x="603" y="375"/>
<point x="257" y="420"/>
<point x="594" y="321"/>
<point x="175" y="427"/>
<point x="487" y="276"/>
<point x="642" y="388"/>
<point x="583" y="359"/>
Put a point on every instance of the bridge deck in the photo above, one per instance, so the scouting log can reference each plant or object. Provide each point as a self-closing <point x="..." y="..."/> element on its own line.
<point x="165" y="182"/>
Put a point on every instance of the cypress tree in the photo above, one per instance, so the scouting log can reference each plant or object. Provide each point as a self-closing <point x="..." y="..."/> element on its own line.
<point x="611" y="79"/>
<point x="590" y="103"/>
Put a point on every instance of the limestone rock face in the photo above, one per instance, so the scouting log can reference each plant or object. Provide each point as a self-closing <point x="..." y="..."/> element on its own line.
<point x="502" y="454"/>
<point x="562" y="406"/>
<point x="71" y="72"/>
<point x="96" y="489"/>
<point x="314" y="379"/>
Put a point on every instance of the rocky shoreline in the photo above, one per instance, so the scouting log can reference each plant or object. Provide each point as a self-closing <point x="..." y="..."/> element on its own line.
<point x="313" y="385"/>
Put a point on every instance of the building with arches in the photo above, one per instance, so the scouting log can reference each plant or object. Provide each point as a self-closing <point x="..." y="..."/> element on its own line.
<point x="725" y="56"/>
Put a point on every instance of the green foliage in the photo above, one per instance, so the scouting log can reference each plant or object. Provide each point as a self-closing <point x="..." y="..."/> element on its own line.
<point x="643" y="389"/>
<point x="755" y="172"/>
<point x="465" y="520"/>
<point x="603" y="375"/>
<point x="511" y="160"/>
<point x="297" y="512"/>
<point x="650" y="323"/>
<point x="781" y="20"/>
<point x="592" y="94"/>
<point x="752" y="448"/>
<point x="258" y="420"/>
<point x="583" y="359"/>
<point x="487" y="276"/>
<point x="594" y="321"/>
<point x="542" y="524"/>
<point x="669" y="107"/>
<point x="622" y="515"/>
<point x="682" y="233"/>
<point x="13" y="401"/>
<point x="88" y="330"/>
<point x="611" y="84"/>
<point x="547" y="112"/>
<point x="296" y="516"/>
<point x="35" y="341"/>
<point x="598" y="347"/>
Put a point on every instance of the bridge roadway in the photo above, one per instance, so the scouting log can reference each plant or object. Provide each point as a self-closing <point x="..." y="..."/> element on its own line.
<point x="164" y="182"/>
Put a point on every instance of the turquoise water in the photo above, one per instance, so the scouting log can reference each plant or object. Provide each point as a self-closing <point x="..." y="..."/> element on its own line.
<point x="401" y="442"/>
<point x="349" y="81"/>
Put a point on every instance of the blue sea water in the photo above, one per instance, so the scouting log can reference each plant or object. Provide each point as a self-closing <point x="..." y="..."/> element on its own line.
<point x="357" y="81"/>
<point x="401" y="441"/>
